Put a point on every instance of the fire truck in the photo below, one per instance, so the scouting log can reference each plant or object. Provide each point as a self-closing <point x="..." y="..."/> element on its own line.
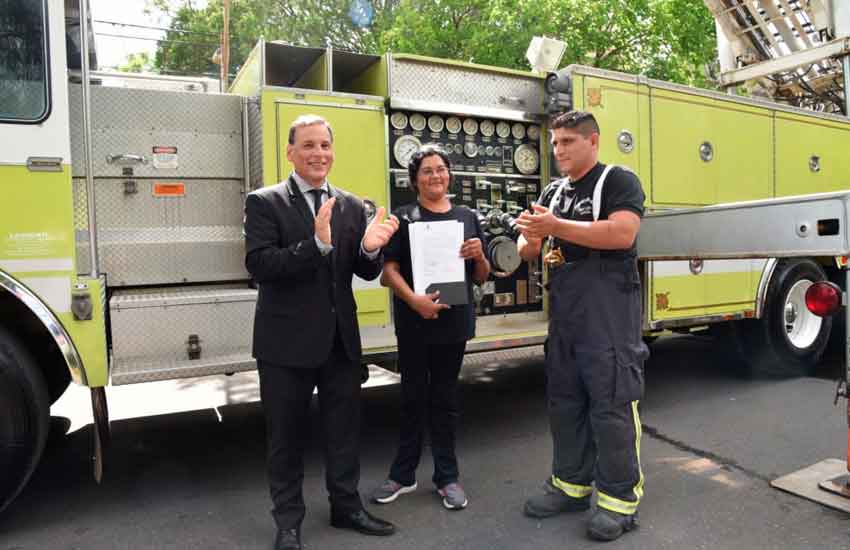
<point x="121" y="246"/>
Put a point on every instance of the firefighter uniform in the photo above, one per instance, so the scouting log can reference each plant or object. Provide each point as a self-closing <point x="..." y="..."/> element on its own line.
<point x="595" y="355"/>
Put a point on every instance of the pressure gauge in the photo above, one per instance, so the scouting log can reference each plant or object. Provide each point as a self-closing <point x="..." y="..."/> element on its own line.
<point x="470" y="126"/>
<point x="527" y="159"/>
<point x="458" y="148"/>
<point x="487" y="128"/>
<point x="399" y="121"/>
<point x="503" y="129"/>
<point x="435" y="123"/>
<point x="404" y="148"/>
<point x="481" y="150"/>
<point x="453" y="124"/>
<point x="470" y="149"/>
<point x="489" y="150"/>
<point x="417" y="122"/>
<point x="534" y="132"/>
<point x="518" y="130"/>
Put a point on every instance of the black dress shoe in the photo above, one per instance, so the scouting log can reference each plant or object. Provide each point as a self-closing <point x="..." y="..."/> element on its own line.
<point x="288" y="539"/>
<point x="362" y="521"/>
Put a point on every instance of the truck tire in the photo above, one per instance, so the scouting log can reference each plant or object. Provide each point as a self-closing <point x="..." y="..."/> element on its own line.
<point x="24" y="416"/>
<point x="788" y="340"/>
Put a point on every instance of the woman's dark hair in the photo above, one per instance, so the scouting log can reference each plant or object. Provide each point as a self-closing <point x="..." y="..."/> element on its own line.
<point x="427" y="150"/>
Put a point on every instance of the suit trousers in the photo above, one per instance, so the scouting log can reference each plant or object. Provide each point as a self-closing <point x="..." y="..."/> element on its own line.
<point x="429" y="396"/>
<point x="286" y="393"/>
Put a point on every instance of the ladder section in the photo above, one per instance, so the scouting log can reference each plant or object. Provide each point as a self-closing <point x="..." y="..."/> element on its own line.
<point x="790" y="47"/>
<point x="810" y="225"/>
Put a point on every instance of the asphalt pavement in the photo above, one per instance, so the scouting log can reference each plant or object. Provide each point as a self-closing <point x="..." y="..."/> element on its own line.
<point x="188" y="475"/>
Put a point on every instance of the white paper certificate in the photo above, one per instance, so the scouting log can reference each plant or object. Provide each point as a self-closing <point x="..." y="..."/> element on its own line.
<point x="435" y="253"/>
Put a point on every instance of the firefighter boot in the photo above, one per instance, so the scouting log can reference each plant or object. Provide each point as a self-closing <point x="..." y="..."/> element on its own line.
<point x="606" y="525"/>
<point x="554" y="501"/>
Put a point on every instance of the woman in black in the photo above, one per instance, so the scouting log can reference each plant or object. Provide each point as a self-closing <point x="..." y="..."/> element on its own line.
<point x="431" y="336"/>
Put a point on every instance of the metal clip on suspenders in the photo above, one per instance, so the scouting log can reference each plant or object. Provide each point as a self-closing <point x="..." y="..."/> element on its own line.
<point x="555" y="257"/>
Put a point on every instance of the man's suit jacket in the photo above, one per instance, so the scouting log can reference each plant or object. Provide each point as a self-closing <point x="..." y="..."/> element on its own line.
<point x="304" y="297"/>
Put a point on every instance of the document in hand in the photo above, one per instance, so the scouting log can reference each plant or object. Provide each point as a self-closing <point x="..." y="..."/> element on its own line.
<point x="437" y="265"/>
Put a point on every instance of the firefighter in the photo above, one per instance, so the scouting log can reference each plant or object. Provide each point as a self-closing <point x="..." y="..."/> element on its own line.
<point x="589" y="221"/>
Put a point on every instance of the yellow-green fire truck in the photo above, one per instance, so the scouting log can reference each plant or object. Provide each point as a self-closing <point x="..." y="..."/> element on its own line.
<point x="121" y="247"/>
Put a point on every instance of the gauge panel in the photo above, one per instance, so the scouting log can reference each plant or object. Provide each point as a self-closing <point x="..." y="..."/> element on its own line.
<point x="453" y="125"/>
<point x="518" y="130"/>
<point x="418" y="122"/>
<point x="496" y="173"/>
<point x="470" y="126"/>
<point x="404" y="148"/>
<point x="398" y="120"/>
<point x="435" y="123"/>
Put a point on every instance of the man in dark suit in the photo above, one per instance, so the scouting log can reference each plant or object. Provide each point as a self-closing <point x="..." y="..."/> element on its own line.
<point x="304" y="240"/>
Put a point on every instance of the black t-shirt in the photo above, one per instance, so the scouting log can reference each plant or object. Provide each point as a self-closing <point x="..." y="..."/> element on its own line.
<point x="455" y="324"/>
<point x="621" y="191"/>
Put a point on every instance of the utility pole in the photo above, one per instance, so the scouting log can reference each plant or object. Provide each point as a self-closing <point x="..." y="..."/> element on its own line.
<point x="225" y="46"/>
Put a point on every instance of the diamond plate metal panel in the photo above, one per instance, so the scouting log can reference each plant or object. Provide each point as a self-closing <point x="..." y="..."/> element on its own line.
<point x="205" y="128"/>
<point x="81" y="226"/>
<point x="255" y="141"/>
<point x="151" y="328"/>
<point x="143" y="239"/>
<point x="417" y="80"/>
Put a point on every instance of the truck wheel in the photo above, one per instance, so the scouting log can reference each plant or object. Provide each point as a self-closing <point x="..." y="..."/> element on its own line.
<point x="789" y="340"/>
<point x="24" y="416"/>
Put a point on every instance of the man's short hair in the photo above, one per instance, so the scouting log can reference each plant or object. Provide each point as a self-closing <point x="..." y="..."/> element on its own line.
<point x="581" y="121"/>
<point x="308" y="120"/>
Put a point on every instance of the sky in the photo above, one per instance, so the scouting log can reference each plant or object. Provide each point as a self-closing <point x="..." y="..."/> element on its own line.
<point x="112" y="51"/>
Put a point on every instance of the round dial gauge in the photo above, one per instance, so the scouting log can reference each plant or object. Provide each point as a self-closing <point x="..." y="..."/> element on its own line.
<point x="503" y="129"/>
<point x="534" y="132"/>
<point x="487" y="128"/>
<point x="458" y="148"/>
<point x="470" y="126"/>
<point x="481" y="150"/>
<point x="417" y="122"/>
<point x="470" y="149"/>
<point x="404" y="148"/>
<point x="518" y="131"/>
<point x="489" y="150"/>
<point x="399" y="121"/>
<point x="435" y="123"/>
<point x="453" y="124"/>
<point x="527" y="159"/>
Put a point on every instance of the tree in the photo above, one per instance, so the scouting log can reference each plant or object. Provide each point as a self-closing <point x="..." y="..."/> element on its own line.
<point x="194" y="34"/>
<point x="137" y="63"/>
<point x="664" y="39"/>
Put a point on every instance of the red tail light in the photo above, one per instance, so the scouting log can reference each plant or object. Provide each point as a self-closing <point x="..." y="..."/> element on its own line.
<point x="823" y="298"/>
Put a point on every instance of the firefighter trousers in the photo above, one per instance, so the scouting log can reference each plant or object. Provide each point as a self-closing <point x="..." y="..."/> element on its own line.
<point x="594" y="368"/>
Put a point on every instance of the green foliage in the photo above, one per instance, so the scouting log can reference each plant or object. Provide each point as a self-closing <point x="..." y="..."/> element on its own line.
<point x="137" y="63"/>
<point x="664" y="39"/>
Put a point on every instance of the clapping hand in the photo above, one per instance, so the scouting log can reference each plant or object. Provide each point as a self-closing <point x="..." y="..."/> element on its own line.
<point x="323" y="221"/>
<point x="538" y="225"/>
<point x="379" y="231"/>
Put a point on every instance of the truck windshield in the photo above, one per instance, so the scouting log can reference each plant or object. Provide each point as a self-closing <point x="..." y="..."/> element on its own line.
<point x="23" y="61"/>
